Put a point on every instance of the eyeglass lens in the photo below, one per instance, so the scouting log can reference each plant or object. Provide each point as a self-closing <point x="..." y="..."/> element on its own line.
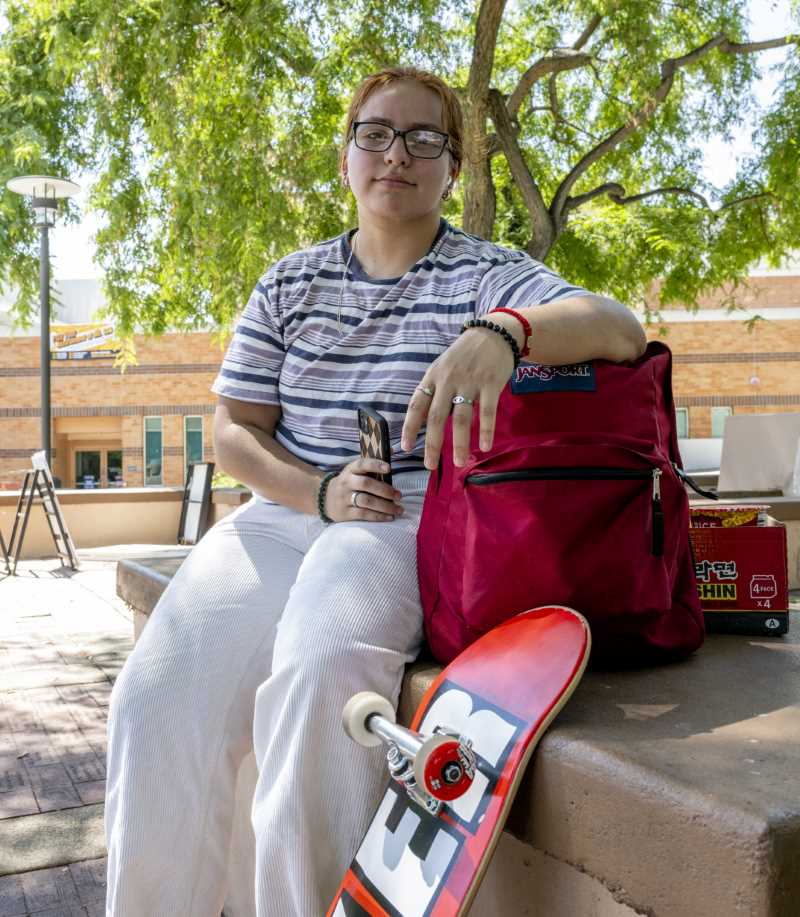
<point x="377" y="138"/>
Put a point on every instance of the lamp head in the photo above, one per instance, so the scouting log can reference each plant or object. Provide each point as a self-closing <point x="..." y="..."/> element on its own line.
<point x="45" y="191"/>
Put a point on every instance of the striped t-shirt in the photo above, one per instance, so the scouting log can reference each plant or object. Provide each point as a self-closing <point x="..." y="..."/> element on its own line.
<point x="288" y="348"/>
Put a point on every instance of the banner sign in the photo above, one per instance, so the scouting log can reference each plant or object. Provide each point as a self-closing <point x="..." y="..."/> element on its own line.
<point x="83" y="342"/>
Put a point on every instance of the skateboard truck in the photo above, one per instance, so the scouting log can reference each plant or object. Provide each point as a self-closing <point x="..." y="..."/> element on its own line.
<point x="434" y="769"/>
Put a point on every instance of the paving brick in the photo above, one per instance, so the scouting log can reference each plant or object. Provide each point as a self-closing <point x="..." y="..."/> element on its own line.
<point x="12" y="901"/>
<point x="51" y="775"/>
<point x="54" y="799"/>
<point x="100" y="693"/>
<point x="85" y="771"/>
<point x="90" y="880"/>
<point x="36" y="757"/>
<point x="91" y="792"/>
<point x="66" y="911"/>
<point x="13" y="779"/>
<point x="49" y="888"/>
<point x="18" y="802"/>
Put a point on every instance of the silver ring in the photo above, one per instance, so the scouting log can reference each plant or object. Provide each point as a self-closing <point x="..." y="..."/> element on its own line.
<point x="462" y="399"/>
<point x="354" y="499"/>
<point x="425" y="390"/>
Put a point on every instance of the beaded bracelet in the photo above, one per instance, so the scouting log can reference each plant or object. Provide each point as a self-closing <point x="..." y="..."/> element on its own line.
<point x="526" y="327"/>
<point x="323" y="489"/>
<point x="492" y="326"/>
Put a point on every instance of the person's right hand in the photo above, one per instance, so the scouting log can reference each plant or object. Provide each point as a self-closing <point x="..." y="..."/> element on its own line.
<point x="375" y="501"/>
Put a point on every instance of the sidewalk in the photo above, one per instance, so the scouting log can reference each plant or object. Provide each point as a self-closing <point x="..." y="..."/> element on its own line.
<point x="64" y="637"/>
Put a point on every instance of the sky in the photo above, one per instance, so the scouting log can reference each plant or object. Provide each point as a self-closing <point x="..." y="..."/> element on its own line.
<point x="72" y="247"/>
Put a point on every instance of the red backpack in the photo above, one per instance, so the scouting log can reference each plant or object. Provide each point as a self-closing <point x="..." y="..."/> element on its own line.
<point x="579" y="502"/>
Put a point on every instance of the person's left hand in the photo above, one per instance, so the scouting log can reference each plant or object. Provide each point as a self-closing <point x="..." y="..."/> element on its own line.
<point x="477" y="365"/>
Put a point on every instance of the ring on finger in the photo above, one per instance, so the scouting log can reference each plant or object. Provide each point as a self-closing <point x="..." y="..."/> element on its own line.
<point x="426" y="390"/>
<point x="354" y="499"/>
<point x="462" y="399"/>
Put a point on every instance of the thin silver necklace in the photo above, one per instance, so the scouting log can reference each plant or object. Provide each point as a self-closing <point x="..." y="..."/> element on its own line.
<point x="341" y="285"/>
<point x="432" y="255"/>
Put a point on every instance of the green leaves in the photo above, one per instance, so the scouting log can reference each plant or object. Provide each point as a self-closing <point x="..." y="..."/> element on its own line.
<point x="213" y="128"/>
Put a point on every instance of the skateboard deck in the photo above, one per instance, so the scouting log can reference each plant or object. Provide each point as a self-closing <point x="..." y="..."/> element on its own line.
<point x="501" y="694"/>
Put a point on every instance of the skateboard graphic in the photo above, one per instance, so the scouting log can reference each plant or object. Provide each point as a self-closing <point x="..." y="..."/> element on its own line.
<point x="457" y="769"/>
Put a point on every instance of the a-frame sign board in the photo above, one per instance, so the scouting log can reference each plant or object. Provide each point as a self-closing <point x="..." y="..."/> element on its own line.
<point x="38" y="488"/>
<point x="4" y="554"/>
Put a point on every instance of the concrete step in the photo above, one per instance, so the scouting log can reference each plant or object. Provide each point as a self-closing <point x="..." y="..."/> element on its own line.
<point x="51" y="839"/>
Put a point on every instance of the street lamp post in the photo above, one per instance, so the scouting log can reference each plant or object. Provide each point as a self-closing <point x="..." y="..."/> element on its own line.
<point x="45" y="192"/>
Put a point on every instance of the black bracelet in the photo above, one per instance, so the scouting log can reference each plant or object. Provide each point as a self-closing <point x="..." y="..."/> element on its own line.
<point x="493" y="326"/>
<point x="323" y="489"/>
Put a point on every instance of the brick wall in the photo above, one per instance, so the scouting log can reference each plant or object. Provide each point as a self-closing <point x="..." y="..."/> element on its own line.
<point x="756" y="292"/>
<point x="172" y="380"/>
<point x="714" y="363"/>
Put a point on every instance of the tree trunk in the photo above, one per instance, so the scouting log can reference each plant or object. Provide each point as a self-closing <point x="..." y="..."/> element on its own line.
<point x="479" y="194"/>
<point x="479" y="199"/>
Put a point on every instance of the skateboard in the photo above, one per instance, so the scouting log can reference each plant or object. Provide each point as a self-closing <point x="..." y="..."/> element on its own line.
<point x="456" y="771"/>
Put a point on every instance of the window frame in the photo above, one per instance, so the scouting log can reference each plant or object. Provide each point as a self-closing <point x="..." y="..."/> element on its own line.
<point x="685" y="413"/>
<point x="187" y="417"/>
<point x="715" y="414"/>
<point x="160" y="419"/>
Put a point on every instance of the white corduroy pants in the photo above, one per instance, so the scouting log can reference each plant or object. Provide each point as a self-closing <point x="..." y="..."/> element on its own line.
<point x="270" y="625"/>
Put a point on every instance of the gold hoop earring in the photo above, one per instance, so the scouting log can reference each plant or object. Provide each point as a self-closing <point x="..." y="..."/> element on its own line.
<point x="345" y="181"/>
<point x="447" y="192"/>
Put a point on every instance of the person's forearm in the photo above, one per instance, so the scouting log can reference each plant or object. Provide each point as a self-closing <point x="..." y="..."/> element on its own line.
<point x="254" y="457"/>
<point x="577" y="329"/>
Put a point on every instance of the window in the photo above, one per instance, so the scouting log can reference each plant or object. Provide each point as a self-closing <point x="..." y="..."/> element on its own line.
<point x="192" y="441"/>
<point x="152" y="450"/>
<point x="682" y="417"/>
<point x="718" y="418"/>
<point x="114" y="468"/>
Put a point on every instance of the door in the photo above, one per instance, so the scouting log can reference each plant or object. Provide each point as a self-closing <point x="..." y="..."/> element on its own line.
<point x="87" y="469"/>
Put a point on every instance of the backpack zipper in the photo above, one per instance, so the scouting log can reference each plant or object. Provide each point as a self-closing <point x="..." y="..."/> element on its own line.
<point x="587" y="474"/>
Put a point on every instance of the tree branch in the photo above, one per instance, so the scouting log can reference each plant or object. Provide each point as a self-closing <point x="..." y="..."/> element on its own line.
<point x="562" y="59"/>
<point x="587" y="33"/>
<point x="543" y="231"/>
<point x="616" y="193"/>
<point x="668" y="70"/>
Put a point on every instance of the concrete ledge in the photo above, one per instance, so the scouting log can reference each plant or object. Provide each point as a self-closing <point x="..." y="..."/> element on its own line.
<point x="672" y="791"/>
<point x="113" y="516"/>
<point x="677" y="787"/>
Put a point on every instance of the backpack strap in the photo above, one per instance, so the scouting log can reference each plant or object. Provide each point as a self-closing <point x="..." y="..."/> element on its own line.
<point x="653" y="348"/>
<point x="708" y="494"/>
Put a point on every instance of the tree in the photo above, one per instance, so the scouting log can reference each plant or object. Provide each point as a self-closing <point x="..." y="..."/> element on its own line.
<point x="213" y="127"/>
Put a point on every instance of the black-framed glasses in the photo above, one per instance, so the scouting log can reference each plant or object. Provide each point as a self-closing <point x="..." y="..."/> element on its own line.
<point x="420" y="142"/>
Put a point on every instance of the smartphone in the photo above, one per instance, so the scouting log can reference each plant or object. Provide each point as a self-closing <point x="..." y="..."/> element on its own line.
<point x="373" y="434"/>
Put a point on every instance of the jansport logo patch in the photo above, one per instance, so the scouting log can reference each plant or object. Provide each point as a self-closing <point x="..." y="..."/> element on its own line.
<point x="534" y="377"/>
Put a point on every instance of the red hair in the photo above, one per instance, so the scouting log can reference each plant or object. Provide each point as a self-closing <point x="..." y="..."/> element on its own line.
<point x="452" y="115"/>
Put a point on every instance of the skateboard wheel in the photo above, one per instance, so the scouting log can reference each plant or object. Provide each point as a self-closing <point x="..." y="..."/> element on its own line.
<point x="441" y="769"/>
<point x="358" y="710"/>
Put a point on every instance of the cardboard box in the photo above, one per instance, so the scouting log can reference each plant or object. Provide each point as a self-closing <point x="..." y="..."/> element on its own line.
<point x="742" y="578"/>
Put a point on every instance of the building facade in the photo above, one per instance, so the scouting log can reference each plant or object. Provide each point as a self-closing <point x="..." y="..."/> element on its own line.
<point x="723" y="366"/>
<point x="136" y="428"/>
<point x="144" y="426"/>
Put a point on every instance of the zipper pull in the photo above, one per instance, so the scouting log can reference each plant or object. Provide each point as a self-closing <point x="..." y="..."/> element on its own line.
<point x="658" y="515"/>
<point x="657" y="472"/>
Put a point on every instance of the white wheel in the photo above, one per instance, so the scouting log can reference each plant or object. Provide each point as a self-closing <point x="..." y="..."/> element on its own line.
<point x="357" y="711"/>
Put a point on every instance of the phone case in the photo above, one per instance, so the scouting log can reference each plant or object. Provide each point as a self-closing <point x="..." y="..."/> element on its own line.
<point x="373" y="434"/>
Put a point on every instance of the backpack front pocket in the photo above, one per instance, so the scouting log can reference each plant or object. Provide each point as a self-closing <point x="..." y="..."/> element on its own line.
<point x="594" y="535"/>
